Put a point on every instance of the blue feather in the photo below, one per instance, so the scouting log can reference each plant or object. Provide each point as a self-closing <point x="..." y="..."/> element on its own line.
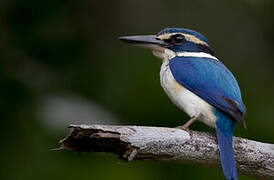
<point x="183" y="30"/>
<point x="213" y="82"/>
<point x="188" y="46"/>
<point x="210" y="80"/>
<point x="225" y="127"/>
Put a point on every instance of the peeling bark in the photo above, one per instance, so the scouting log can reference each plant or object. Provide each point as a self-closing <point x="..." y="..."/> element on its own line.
<point x="169" y="144"/>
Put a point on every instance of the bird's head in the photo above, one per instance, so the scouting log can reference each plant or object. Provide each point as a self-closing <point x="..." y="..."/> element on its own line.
<point x="171" y="41"/>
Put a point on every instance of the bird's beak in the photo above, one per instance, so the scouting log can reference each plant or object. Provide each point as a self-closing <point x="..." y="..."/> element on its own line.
<point x="145" y="41"/>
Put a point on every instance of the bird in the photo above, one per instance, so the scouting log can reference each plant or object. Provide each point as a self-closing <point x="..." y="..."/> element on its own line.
<point x="199" y="84"/>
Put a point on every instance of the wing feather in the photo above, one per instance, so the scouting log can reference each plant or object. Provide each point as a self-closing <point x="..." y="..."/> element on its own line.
<point x="212" y="81"/>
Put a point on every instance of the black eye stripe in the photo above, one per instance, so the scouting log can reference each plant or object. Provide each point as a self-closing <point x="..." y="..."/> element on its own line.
<point x="175" y="39"/>
<point x="179" y="38"/>
<point x="168" y="40"/>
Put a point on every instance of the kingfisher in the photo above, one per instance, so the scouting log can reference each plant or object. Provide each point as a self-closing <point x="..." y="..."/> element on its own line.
<point x="199" y="84"/>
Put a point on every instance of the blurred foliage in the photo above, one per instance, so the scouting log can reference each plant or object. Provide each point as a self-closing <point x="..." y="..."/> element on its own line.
<point x="71" y="47"/>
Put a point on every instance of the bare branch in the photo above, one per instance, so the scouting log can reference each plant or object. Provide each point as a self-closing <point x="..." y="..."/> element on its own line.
<point x="170" y="144"/>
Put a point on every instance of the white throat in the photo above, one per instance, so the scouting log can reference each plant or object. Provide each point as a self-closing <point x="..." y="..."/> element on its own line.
<point x="165" y="54"/>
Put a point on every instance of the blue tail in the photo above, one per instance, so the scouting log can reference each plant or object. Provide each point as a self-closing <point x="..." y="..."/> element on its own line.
<point x="225" y="127"/>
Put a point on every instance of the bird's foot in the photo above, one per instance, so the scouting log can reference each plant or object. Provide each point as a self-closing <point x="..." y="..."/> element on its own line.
<point x="183" y="127"/>
<point x="186" y="126"/>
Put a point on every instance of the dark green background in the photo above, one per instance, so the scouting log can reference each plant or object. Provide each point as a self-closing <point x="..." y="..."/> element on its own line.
<point x="61" y="63"/>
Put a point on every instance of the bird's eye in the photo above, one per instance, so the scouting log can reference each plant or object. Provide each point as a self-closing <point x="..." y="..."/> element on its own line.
<point x="177" y="39"/>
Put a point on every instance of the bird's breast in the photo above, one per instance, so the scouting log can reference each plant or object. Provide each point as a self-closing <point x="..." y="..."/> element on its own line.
<point x="189" y="102"/>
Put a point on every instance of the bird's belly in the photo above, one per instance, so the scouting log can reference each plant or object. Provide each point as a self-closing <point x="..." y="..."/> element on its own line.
<point x="192" y="104"/>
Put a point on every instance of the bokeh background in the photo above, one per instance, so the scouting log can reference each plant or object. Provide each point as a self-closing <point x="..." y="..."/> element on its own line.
<point x="61" y="63"/>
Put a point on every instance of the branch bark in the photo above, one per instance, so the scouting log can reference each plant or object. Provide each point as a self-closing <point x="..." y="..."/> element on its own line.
<point x="170" y="144"/>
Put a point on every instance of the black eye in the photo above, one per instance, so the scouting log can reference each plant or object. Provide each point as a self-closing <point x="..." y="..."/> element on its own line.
<point x="177" y="39"/>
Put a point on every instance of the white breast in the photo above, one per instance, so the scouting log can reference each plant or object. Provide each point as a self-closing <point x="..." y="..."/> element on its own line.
<point x="192" y="104"/>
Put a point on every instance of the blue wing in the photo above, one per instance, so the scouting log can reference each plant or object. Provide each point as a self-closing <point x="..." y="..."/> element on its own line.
<point x="212" y="81"/>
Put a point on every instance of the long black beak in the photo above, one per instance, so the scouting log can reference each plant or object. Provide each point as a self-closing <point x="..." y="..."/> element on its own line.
<point x="145" y="41"/>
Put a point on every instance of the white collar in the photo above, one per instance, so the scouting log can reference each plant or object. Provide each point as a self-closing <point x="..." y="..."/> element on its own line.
<point x="195" y="54"/>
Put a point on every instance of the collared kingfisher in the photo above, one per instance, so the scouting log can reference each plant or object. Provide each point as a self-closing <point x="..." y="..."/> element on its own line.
<point x="199" y="84"/>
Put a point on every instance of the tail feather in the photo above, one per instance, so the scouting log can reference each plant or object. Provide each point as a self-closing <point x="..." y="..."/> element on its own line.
<point x="225" y="127"/>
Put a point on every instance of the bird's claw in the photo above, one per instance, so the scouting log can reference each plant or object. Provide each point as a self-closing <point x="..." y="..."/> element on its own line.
<point x="183" y="128"/>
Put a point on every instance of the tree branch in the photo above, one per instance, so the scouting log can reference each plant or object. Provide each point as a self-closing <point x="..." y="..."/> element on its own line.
<point x="170" y="144"/>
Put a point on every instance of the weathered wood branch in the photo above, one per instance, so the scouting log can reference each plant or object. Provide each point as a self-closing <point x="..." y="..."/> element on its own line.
<point x="170" y="144"/>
